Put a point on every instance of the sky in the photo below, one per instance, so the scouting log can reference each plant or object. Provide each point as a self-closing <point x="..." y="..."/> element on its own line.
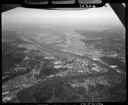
<point x="90" y="18"/>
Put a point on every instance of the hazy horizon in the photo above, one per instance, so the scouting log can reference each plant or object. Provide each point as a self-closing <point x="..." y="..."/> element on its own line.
<point x="103" y="17"/>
